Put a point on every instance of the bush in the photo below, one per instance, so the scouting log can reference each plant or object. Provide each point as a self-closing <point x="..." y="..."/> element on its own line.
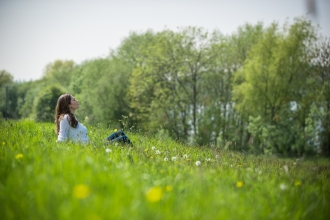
<point x="45" y="103"/>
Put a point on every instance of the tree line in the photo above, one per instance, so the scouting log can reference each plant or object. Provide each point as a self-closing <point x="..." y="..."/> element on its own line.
<point x="262" y="89"/>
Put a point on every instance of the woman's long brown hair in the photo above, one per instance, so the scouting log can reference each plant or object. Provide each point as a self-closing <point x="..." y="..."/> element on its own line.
<point x="62" y="108"/>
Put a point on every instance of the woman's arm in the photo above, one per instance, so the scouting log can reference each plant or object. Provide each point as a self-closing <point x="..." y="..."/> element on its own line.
<point x="63" y="134"/>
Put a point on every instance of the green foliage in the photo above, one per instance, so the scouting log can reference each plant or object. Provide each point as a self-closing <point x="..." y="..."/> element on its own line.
<point x="156" y="179"/>
<point x="271" y="80"/>
<point x="27" y="92"/>
<point x="256" y="90"/>
<point x="5" y="78"/>
<point x="60" y="72"/>
<point x="45" y="103"/>
<point x="8" y="103"/>
<point x="103" y="89"/>
<point x="319" y="56"/>
<point x="6" y="91"/>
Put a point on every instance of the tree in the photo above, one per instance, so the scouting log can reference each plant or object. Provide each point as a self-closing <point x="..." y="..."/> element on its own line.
<point x="220" y="123"/>
<point x="165" y="86"/>
<point x="104" y="84"/>
<point x="319" y="56"/>
<point x="59" y="72"/>
<point x="7" y="94"/>
<point x="45" y="103"/>
<point x="5" y="78"/>
<point x="272" y="83"/>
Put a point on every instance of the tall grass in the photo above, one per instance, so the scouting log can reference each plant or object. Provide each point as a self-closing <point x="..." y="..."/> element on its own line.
<point x="155" y="179"/>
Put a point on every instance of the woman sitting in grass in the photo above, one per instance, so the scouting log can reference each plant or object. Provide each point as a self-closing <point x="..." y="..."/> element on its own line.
<point x="69" y="128"/>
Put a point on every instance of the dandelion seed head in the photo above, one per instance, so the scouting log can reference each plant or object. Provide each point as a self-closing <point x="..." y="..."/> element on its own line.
<point x="173" y="158"/>
<point x="165" y="159"/>
<point x="108" y="150"/>
<point x="158" y="152"/>
<point x="153" y="148"/>
<point x="198" y="163"/>
<point x="283" y="186"/>
<point x="185" y="156"/>
<point x="286" y="168"/>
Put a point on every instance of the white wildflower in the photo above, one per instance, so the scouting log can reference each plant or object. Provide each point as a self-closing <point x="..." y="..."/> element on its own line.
<point x="208" y="159"/>
<point x="283" y="186"/>
<point x="153" y="148"/>
<point x="217" y="156"/>
<point x="173" y="158"/>
<point x="198" y="163"/>
<point x="286" y="168"/>
<point x="165" y="159"/>
<point x="158" y="152"/>
<point x="108" y="150"/>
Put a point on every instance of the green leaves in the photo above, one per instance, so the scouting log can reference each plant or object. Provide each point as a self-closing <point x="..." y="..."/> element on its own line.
<point x="45" y="103"/>
<point x="202" y="87"/>
<point x="273" y="76"/>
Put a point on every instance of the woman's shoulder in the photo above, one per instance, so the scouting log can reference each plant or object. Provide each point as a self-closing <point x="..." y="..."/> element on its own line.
<point x="64" y="116"/>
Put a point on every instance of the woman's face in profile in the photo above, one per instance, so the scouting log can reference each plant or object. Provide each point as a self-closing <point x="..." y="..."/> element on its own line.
<point x="74" y="104"/>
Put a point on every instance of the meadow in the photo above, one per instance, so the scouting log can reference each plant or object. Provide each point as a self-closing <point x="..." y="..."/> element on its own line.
<point x="157" y="178"/>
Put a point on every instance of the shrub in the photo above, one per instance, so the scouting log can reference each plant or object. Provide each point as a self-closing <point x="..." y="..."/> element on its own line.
<point x="45" y="103"/>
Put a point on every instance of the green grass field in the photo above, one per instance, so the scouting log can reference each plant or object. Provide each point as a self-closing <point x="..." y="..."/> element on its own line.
<point x="155" y="179"/>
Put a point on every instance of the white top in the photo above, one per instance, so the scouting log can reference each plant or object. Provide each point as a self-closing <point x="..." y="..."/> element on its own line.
<point x="78" y="134"/>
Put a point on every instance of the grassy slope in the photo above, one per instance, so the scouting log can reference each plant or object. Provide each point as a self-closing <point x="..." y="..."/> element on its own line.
<point x="40" y="179"/>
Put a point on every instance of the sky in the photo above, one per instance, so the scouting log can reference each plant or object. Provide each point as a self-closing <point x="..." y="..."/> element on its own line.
<point x="34" y="33"/>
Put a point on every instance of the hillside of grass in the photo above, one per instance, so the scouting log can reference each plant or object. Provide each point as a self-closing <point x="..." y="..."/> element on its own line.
<point x="157" y="178"/>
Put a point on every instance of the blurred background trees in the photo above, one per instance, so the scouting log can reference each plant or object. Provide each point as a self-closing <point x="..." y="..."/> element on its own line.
<point x="262" y="89"/>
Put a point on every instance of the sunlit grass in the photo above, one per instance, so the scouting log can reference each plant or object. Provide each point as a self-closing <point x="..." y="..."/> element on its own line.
<point x="155" y="179"/>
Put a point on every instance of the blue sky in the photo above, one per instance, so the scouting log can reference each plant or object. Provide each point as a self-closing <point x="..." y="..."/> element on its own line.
<point x="37" y="32"/>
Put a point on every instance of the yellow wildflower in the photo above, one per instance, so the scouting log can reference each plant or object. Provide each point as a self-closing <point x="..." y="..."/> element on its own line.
<point x="18" y="156"/>
<point x="239" y="184"/>
<point x="115" y="130"/>
<point x="297" y="183"/>
<point x="154" y="194"/>
<point x="3" y="143"/>
<point x="80" y="191"/>
<point x="168" y="188"/>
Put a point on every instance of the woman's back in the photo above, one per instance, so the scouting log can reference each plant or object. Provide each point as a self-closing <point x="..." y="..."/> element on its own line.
<point x="78" y="134"/>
